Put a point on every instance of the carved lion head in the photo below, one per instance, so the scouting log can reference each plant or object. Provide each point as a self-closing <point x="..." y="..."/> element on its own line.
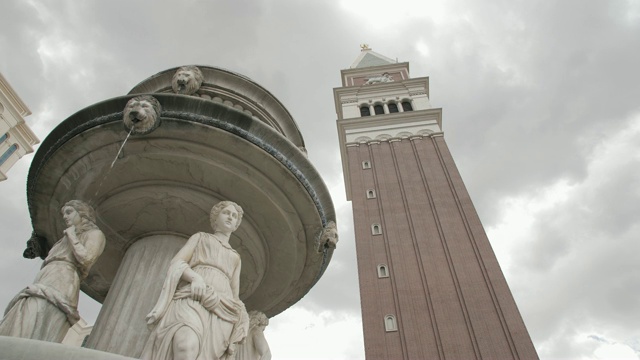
<point x="328" y="237"/>
<point x="187" y="80"/>
<point x="142" y="114"/>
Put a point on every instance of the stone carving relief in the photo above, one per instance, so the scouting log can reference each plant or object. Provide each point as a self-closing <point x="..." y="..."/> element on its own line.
<point x="142" y="114"/>
<point x="405" y="134"/>
<point x="255" y="346"/>
<point x="426" y="132"/>
<point x="303" y="150"/>
<point x="384" y="78"/>
<point x="187" y="80"/>
<point x="46" y="309"/>
<point x="199" y="314"/>
<point x="328" y="237"/>
<point x="416" y="132"/>
<point x="363" y="139"/>
<point x="36" y="247"/>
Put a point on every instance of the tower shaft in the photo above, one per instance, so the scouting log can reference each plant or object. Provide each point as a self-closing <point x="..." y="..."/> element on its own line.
<point x="430" y="284"/>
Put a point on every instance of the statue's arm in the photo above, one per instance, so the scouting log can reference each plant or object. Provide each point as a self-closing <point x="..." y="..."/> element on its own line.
<point x="88" y="253"/>
<point x="197" y="282"/>
<point x="261" y="345"/>
<point x="235" y="280"/>
<point x="186" y="252"/>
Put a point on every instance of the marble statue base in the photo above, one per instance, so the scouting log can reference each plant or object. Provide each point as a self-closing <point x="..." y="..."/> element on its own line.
<point x="26" y="349"/>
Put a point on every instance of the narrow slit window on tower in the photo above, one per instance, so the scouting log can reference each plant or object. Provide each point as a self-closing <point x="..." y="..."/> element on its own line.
<point x="371" y="194"/>
<point x="366" y="164"/>
<point x="364" y="111"/>
<point x="390" y="323"/>
<point x="4" y="137"/>
<point x="406" y="106"/>
<point x="393" y="107"/>
<point x="376" y="229"/>
<point x="383" y="272"/>
<point x="379" y="109"/>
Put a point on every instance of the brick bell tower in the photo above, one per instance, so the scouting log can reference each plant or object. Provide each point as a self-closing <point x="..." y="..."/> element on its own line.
<point x="430" y="284"/>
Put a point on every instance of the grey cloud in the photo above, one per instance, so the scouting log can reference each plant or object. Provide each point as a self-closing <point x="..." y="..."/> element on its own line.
<point x="529" y="90"/>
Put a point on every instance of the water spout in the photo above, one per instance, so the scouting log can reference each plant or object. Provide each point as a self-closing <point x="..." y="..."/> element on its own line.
<point x="112" y="164"/>
<point x="121" y="147"/>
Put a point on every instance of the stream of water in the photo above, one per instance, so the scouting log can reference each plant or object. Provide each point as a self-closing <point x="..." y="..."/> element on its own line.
<point x="112" y="164"/>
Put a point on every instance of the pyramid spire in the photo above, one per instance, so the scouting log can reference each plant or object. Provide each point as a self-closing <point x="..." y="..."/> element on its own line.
<point x="368" y="58"/>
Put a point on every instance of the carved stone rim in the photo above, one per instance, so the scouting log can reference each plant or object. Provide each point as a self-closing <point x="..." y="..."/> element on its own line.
<point x="198" y="112"/>
<point x="76" y="124"/>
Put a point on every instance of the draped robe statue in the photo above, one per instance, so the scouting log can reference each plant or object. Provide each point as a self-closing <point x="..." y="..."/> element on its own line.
<point x="46" y="309"/>
<point x="199" y="314"/>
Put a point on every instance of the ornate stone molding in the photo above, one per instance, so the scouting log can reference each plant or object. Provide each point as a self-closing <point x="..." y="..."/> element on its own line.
<point x="141" y="115"/>
<point x="187" y="80"/>
<point x="37" y="246"/>
<point x="382" y="78"/>
<point x="328" y="237"/>
<point x="411" y="135"/>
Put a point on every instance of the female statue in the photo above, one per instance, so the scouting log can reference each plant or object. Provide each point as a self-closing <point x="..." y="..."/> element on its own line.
<point x="47" y="309"/>
<point x="199" y="314"/>
<point x="255" y="345"/>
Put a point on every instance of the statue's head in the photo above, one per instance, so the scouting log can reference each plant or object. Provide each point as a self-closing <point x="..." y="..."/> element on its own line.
<point x="187" y="80"/>
<point x="257" y="318"/>
<point x="85" y="210"/>
<point x="142" y="114"/>
<point x="217" y="209"/>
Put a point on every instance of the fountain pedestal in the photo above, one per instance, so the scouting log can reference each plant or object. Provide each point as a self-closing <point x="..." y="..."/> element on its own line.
<point x="121" y="327"/>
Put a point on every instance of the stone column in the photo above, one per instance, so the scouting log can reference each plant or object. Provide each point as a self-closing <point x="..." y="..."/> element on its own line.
<point x="121" y="327"/>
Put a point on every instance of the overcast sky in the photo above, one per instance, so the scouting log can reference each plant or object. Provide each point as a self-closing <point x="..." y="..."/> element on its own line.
<point x="541" y="110"/>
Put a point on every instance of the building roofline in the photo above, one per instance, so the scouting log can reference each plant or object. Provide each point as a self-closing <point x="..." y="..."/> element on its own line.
<point x="13" y="97"/>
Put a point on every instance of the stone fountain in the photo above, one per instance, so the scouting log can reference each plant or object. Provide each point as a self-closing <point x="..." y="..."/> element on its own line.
<point x="217" y="135"/>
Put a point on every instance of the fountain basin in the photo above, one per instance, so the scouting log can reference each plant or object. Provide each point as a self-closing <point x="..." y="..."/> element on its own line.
<point x="166" y="182"/>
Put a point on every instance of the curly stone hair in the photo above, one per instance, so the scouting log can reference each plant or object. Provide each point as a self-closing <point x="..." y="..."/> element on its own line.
<point x="257" y="318"/>
<point x="84" y="210"/>
<point x="217" y="208"/>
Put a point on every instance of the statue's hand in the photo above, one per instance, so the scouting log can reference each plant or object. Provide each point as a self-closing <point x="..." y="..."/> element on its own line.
<point x="231" y="350"/>
<point x="70" y="231"/>
<point x="198" y="288"/>
<point x="152" y="318"/>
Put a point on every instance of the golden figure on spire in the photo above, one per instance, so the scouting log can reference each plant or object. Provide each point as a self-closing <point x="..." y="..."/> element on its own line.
<point x="364" y="47"/>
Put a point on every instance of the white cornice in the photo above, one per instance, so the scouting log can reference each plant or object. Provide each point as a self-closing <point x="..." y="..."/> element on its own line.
<point x="409" y="124"/>
<point x="27" y="136"/>
<point x="13" y="98"/>
<point x="401" y="89"/>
